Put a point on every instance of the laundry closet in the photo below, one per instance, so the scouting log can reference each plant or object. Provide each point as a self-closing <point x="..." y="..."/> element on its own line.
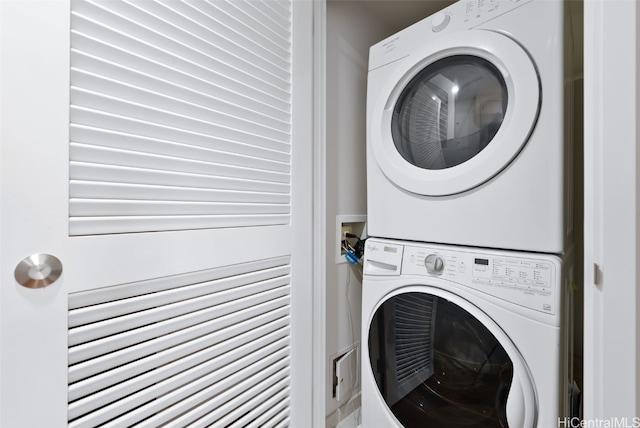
<point x="351" y="28"/>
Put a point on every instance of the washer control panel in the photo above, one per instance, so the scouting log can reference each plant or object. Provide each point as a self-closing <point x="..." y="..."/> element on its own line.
<point x="532" y="282"/>
<point x="518" y="273"/>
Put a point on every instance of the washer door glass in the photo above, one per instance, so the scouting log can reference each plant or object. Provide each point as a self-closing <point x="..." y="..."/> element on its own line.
<point x="449" y="112"/>
<point x="436" y="365"/>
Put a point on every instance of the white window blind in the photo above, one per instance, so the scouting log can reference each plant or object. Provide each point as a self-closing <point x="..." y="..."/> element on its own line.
<point x="180" y="115"/>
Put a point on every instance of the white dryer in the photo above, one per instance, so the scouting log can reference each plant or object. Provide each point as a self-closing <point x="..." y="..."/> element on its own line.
<point x="459" y="337"/>
<point x="467" y="140"/>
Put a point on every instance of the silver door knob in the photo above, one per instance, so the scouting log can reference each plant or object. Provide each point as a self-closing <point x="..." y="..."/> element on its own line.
<point x="38" y="271"/>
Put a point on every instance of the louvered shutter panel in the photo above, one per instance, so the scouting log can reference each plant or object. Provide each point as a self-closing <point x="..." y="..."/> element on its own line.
<point x="209" y="347"/>
<point x="180" y="115"/>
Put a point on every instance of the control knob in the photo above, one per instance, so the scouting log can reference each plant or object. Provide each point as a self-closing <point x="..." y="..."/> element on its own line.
<point x="434" y="263"/>
<point x="439" y="21"/>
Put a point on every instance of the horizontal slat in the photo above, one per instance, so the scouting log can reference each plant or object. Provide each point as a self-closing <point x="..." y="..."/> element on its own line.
<point x="166" y="126"/>
<point x="270" y="405"/>
<point x="248" y="19"/>
<point x="285" y="422"/>
<point x="171" y="391"/>
<point x="263" y="415"/>
<point x="87" y="87"/>
<point x="119" y="63"/>
<point x="177" y="374"/>
<point x="219" y="394"/>
<point x="187" y="34"/>
<point x="107" y="310"/>
<point x="129" y="338"/>
<point x="132" y="159"/>
<point x="100" y="207"/>
<point x="83" y="375"/>
<point x="170" y="399"/>
<point x="142" y="22"/>
<point x="90" y="108"/>
<point x="228" y="338"/>
<point x="244" y="403"/>
<point x="91" y="190"/>
<point x="82" y="171"/>
<point x="184" y="144"/>
<point x="282" y="7"/>
<point x="277" y="17"/>
<point x="123" y="291"/>
<point x="103" y="226"/>
<point x="180" y="399"/>
<point x="154" y="78"/>
<point x="104" y="414"/>
<point x="108" y="96"/>
<point x="256" y="293"/>
<point x="214" y="26"/>
<point x="159" y="49"/>
<point x="231" y="18"/>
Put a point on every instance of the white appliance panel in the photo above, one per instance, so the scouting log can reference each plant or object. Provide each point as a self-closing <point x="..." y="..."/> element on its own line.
<point x="535" y="342"/>
<point x="523" y="204"/>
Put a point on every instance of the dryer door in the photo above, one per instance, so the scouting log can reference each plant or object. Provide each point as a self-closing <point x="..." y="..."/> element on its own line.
<point x="454" y="113"/>
<point x="438" y="361"/>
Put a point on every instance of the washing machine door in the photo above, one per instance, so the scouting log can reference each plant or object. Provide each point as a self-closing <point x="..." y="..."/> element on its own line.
<point x="454" y="113"/>
<point x="439" y="361"/>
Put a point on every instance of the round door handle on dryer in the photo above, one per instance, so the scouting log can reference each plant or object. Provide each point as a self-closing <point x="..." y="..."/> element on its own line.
<point x="434" y="263"/>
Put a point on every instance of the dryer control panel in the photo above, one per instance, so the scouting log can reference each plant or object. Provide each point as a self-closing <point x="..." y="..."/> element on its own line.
<point x="462" y="15"/>
<point x="529" y="281"/>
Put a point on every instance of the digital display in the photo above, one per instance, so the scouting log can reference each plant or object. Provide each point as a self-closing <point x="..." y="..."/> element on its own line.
<point x="484" y="262"/>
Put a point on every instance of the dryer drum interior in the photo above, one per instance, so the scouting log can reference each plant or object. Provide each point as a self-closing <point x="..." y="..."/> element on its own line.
<point x="437" y="365"/>
<point x="449" y="112"/>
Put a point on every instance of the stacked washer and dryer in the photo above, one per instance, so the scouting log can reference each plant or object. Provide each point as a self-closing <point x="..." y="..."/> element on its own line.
<point x="466" y="307"/>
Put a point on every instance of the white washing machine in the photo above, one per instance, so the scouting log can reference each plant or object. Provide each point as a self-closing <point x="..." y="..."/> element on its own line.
<point x="459" y="337"/>
<point x="468" y="140"/>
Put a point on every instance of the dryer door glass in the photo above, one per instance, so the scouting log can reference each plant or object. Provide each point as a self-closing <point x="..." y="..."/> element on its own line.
<point x="449" y="112"/>
<point x="436" y="365"/>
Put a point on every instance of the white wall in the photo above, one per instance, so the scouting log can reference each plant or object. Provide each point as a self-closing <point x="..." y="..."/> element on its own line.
<point x="350" y="32"/>
<point x="351" y="28"/>
<point x="612" y="195"/>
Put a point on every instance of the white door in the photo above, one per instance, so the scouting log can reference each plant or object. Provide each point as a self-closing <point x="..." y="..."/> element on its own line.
<point x="161" y="151"/>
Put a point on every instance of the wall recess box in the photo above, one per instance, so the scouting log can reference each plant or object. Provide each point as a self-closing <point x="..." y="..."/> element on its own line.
<point x="355" y="224"/>
<point x="345" y="374"/>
